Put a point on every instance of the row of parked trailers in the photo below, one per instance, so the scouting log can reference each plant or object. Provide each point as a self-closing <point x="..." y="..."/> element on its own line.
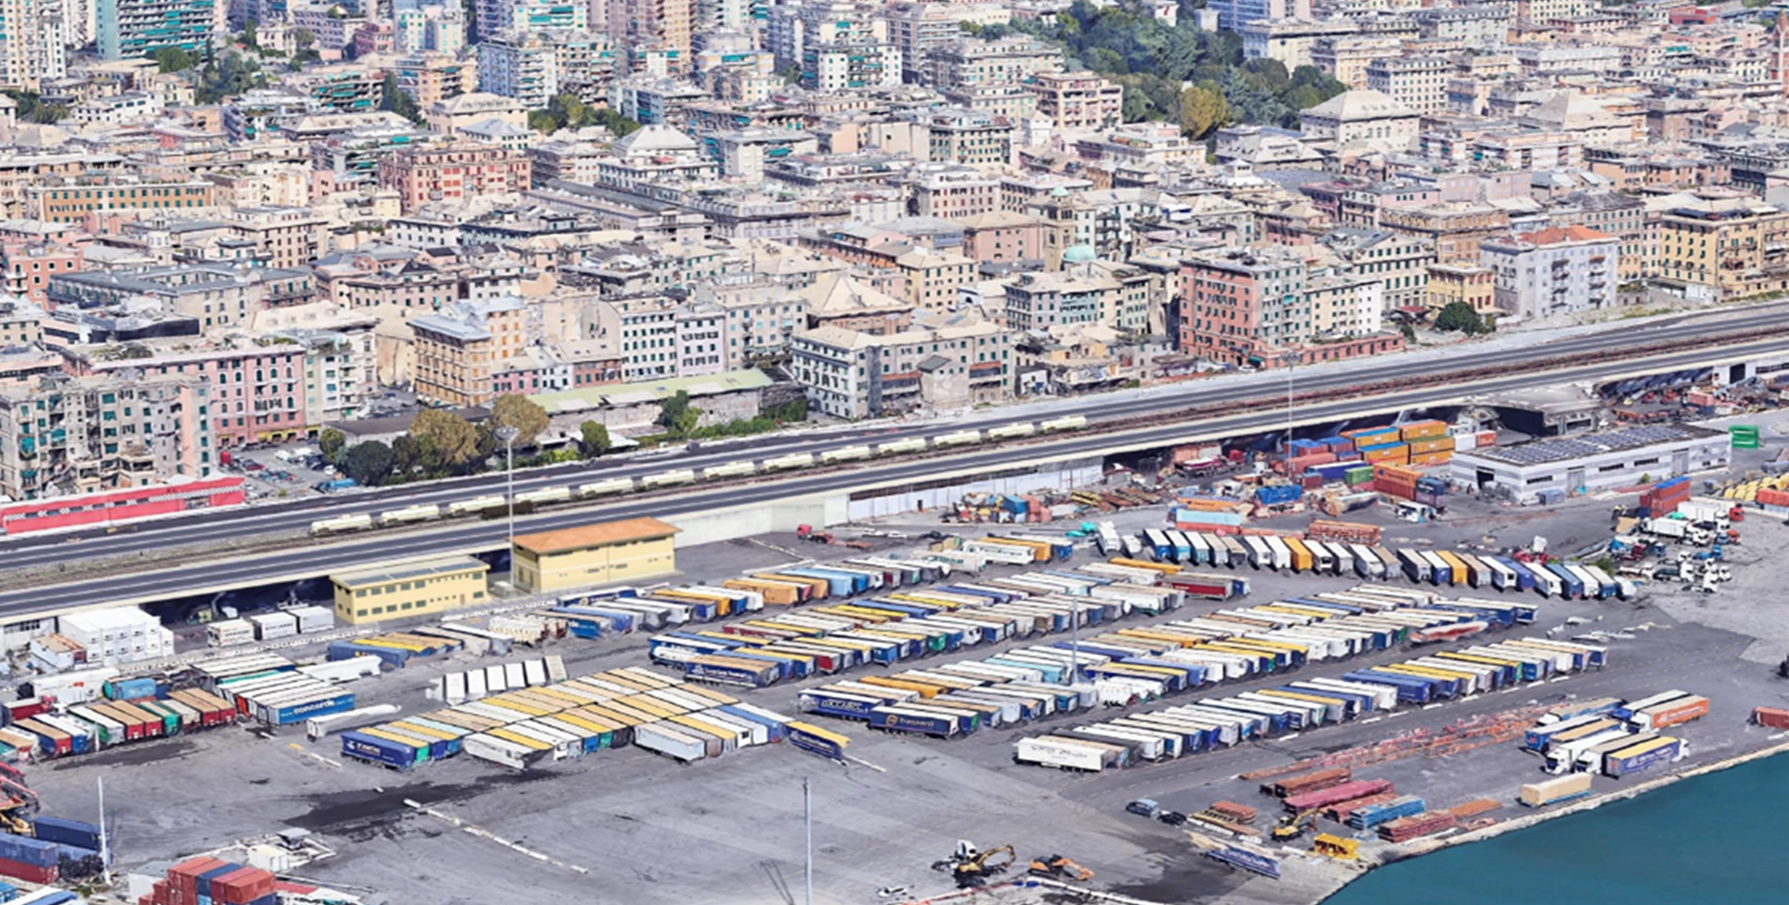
<point x="522" y="728"/>
<point x="1301" y="705"/>
<point x="1597" y="735"/>
<point x="902" y="624"/>
<point x="83" y="728"/>
<point x="1438" y="567"/>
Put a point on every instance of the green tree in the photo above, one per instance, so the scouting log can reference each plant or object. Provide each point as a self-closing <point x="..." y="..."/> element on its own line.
<point x="330" y="443"/>
<point x="521" y="413"/>
<point x="618" y="125"/>
<point x="677" y="416"/>
<point x="393" y="98"/>
<point x="571" y="111"/>
<point x="595" y="438"/>
<point x="173" y="59"/>
<point x="406" y="455"/>
<point x="369" y="463"/>
<point x="543" y="122"/>
<point x="304" y="39"/>
<point x="1202" y="109"/>
<point x="1460" y="316"/>
<point x="249" y="37"/>
<point x="446" y="440"/>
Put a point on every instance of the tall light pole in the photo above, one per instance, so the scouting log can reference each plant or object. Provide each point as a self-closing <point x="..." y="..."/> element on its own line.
<point x="508" y="435"/>
<point x="807" y="819"/>
<point x="1290" y="360"/>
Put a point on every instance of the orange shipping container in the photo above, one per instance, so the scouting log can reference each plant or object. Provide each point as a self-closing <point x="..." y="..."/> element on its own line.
<point x="1396" y="474"/>
<point x="1422" y="430"/>
<point x="1396" y="454"/>
<point x="1487" y="439"/>
<point x="1435" y="444"/>
<point x="1435" y="458"/>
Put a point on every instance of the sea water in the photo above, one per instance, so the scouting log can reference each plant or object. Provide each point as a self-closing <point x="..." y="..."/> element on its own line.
<point x="1721" y="839"/>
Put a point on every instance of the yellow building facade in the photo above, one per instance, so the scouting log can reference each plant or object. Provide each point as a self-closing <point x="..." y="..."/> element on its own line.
<point x="412" y="589"/>
<point x="603" y="553"/>
<point x="1469" y="283"/>
<point x="1738" y="251"/>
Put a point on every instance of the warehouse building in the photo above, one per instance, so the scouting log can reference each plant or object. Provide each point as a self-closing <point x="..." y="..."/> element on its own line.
<point x="411" y="589"/>
<point x="1559" y="466"/>
<point x="625" y="550"/>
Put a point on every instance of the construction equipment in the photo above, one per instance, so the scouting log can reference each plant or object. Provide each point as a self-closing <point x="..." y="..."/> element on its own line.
<point x="17" y="802"/>
<point x="1293" y="826"/>
<point x="971" y="867"/>
<point x="1336" y="847"/>
<point x="1060" y="868"/>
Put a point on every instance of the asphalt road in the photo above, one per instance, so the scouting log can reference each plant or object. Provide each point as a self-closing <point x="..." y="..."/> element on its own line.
<point x="27" y="551"/>
<point x="368" y="550"/>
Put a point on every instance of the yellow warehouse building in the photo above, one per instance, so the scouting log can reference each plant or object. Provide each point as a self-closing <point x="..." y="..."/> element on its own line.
<point x="606" y="552"/>
<point x="409" y="589"/>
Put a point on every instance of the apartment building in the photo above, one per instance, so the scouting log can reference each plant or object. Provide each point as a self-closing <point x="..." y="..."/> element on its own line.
<point x="959" y="135"/>
<point x="1723" y="250"/>
<point x="1234" y="14"/>
<point x="133" y="29"/>
<point x="1077" y="100"/>
<point x="1553" y="271"/>
<point x="1290" y="40"/>
<point x="430" y="78"/>
<point x="457" y="352"/>
<point x="840" y="66"/>
<point x="65" y="434"/>
<point x="967" y="63"/>
<point x="1419" y="83"/>
<point x="266" y="389"/>
<point x="952" y="363"/>
<point x="72" y="203"/>
<point x="452" y="172"/>
<point x="1243" y="307"/>
<point x="1454" y="230"/>
<point x="1085" y="293"/>
<point x="215" y="296"/>
<point x="1473" y="284"/>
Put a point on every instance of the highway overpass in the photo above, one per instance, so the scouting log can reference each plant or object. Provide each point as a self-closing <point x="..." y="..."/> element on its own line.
<point x="817" y="496"/>
<point x="268" y="518"/>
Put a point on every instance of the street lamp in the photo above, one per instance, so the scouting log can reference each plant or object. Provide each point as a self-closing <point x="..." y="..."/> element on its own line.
<point x="1290" y="360"/>
<point x="508" y="435"/>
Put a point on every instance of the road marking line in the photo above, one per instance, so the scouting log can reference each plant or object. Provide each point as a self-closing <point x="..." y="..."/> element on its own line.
<point x="1287" y="738"/>
<point x="1560" y="679"/>
<point x="1398" y="714"/>
<point x="1373" y="719"/>
<point x="1430" y="706"/>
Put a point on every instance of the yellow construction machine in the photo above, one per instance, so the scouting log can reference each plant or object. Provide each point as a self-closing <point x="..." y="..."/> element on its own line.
<point x="972" y="867"/>
<point x="1293" y="826"/>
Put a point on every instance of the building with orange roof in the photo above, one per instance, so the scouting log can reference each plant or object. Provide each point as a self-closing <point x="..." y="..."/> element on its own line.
<point x="603" y="553"/>
<point x="1553" y="271"/>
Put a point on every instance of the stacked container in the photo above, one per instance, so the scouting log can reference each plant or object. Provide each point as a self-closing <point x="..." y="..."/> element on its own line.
<point x="1663" y="498"/>
<point x="212" y="881"/>
<point x="1396" y="481"/>
<point x="30" y="859"/>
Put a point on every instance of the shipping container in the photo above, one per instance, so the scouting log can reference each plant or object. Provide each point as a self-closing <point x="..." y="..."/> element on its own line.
<point x="1552" y="791"/>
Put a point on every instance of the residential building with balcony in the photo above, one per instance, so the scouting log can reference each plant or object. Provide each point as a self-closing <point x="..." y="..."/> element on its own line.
<point x="1721" y="250"/>
<point x="1553" y="271"/>
<point x="1077" y="100"/>
<point x="452" y="172"/>
<point x="65" y="435"/>
<point x="945" y="364"/>
<point x="458" y="352"/>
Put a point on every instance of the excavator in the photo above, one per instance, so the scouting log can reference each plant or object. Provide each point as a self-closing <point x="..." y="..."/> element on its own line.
<point x="972" y="867"/>
<point x="17" y="801"/>
<point x="1059" y="867"/>
<point x="1293" y="826"/>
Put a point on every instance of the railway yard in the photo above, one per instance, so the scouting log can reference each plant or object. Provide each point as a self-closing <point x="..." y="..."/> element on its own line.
<point x="624" y="825"/>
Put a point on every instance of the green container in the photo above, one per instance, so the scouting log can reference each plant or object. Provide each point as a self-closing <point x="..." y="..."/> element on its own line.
<point x="1743" y="436"/>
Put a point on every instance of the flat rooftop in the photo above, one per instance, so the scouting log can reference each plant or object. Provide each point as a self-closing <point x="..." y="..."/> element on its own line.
<point x="1564" y="449"/>
<point x="429" y="569"/>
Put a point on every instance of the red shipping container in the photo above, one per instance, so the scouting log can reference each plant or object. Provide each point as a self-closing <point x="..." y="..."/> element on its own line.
<point x="1771" y="717"/>
<point x="30" y="872"/>
<point x="242" y="887"/>
<point x="185" y="876"/>
<point x="1770" y="497"/>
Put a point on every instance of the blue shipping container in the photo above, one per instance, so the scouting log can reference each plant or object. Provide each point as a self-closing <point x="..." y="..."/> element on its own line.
<point x="379" y="750"/>
<point x="26" y="850"/>
<point x="67" y="832"/>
